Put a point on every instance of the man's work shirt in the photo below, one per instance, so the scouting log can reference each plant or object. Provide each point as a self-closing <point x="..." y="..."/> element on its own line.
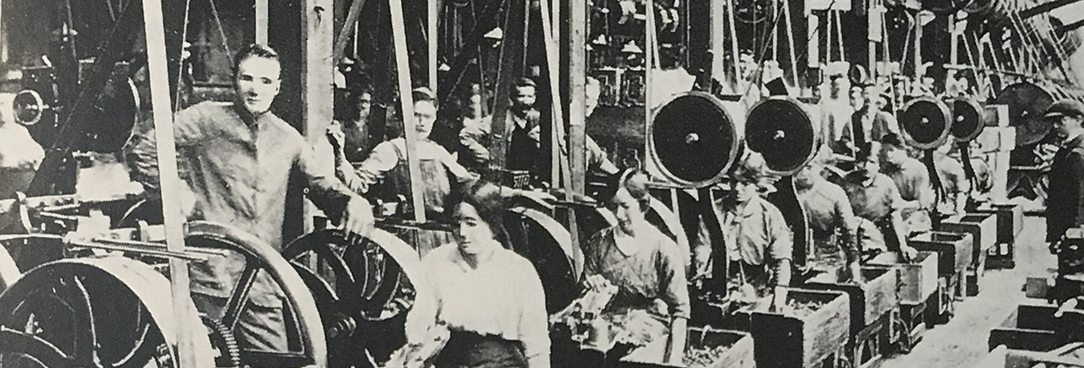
<point x="835" y="117"/>
<point x="238" y="167"/>
<point x="757" y="235"/>
<point x="913" y="181"/>
<point x="830" y="216"/>
<point x="523" y="145"/>
<point x="1064" y="199"/>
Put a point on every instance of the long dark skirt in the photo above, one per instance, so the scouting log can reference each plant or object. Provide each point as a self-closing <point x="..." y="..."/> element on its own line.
<point x="471" y="350"/>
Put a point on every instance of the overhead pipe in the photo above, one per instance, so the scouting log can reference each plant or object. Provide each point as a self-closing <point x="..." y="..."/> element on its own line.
<point x="1045" y="7"/>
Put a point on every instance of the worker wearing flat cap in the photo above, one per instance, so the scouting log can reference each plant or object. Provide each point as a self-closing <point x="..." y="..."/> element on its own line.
<point x="758" y="241"/>
<point x="1066" y="176"/>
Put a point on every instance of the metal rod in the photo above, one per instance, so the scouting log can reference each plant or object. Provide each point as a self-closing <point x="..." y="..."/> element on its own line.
<point x="164" y="253"/>
<point x="431" y="20"/>
<point x="157" y="246"/>
<point x="577" y="70"/>
<point x="1045" y="7"/>
<point x="57" y="216"/>
<point x="406" y="101"/>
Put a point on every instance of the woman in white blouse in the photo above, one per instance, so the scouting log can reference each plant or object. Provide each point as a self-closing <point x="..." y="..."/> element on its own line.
<point x="482" y="305"/>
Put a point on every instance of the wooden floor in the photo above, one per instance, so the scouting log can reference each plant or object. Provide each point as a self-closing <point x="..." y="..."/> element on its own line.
<point x="962" y="342"/>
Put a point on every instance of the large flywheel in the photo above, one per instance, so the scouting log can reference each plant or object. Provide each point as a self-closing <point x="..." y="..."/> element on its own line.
<point x="693" y="138"/>
<point x="548" y="245"/>
<point x="102" y="312"/>
<point x="968" y="118"/>
<point x="926" y="122"/>
<point x="1027" y="102"/>
<point x="362" y="291"/>
<point x="781" y="129"/>
<point x="258" y="261"/>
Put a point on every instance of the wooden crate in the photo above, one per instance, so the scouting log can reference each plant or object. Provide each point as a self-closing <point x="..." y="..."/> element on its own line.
<point x="870" y="300"/>
<point x="982" y="227"/>
<point x="788" y="341"/>
<point x="1010" y="222"/>
<point x="738" y="354"/>
<point x="954" y="250"/>
<point x="1029" y="327"/>
<point x="1069" y="355"/>
<point x="918" y="278"/>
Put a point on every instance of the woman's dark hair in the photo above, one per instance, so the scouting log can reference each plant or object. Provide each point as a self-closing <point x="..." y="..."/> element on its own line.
<point x="486" y="199"/>
<point x="635" y="182"/>
<point x="892" y="140"/>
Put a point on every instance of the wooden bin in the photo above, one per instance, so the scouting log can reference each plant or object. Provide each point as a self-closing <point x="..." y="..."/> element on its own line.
<point x="870" y="300"/>
<point x="738" y="354"/>
<point x="1029" y="327"/>
<point x="918" y="278"/>
<point x="1068" y="355"/>
<point x="1010" y="219"/>
<point x="983" y="230"/>
<point x="954" y="250"/>
<point x="788" y="341"/>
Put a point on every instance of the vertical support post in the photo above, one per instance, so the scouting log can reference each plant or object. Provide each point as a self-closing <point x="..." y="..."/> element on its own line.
<point x="577" y="71"/>
<point x="918" y="48"/>
<point x="717" y="39"/>
<point x="560" y="169"/>
<point x="3" y="35"/>
<point x="954" y="47"/>
<point x="406" y="101"/>
<point x="434" y="13"/>
<point x="261" y="21"/>
<point x="511" y="66"/>
<point x="733" y="44"/>
<point x="873" y="33"/>
<point x="317" y="81"/>
<point x="349" y="27"/>
<point x="154" y="28"/>
<point x="790" y="44"/>
<point x="813" y="48"/>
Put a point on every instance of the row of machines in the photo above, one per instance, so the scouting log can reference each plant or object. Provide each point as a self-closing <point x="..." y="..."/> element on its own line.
<point x="83" y="280"/>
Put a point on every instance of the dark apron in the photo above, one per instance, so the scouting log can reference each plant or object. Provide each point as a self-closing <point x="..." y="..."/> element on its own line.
<point x="471" y="350"/>
<point x="888" y="234"/>
<point x="828" y="256"/>
<point x="741" y="273"/>
<point x="435" y="186"/>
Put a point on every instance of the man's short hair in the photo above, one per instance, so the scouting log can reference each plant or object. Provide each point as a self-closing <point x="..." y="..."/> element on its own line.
<point x="526" y="82"/>
<point x="253" y="50"/>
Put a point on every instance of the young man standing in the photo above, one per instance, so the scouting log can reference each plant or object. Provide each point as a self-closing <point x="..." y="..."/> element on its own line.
<point x="237" y="158"/>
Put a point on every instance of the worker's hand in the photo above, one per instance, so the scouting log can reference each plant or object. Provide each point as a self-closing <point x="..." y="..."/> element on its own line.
<point x="336" y="136"/>
<point x="596" y="282"/>
<point x="908" y="252"/>
<point x="357" y="219"/>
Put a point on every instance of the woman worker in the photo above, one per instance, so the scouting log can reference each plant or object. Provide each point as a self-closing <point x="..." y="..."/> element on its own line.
<point x="831" y="220"/>
<point x="647" y="269"/>
<point x="438" y="169"/>
<point x="482" y="305"/>
<point x="876" y="201"/>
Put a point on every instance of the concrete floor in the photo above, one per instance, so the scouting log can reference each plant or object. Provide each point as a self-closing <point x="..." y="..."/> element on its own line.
<point x="962" y="342"/>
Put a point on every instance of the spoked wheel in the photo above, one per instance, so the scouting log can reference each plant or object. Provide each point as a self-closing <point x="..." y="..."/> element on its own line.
<point x="362" y="291"/>
<point x="105" y="312"/>
<point x="548" y="245"/>
<point x="304" y="330"/>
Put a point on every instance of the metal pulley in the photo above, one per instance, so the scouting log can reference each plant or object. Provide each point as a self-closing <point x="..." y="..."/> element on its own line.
<point x="968" y="118"/>
<point x="693" y="139"/>
<point x="925" y="122"/>
<point x="781" y="130"/>
<point x="1027" y="102"/>
<point x="105" y="129"/>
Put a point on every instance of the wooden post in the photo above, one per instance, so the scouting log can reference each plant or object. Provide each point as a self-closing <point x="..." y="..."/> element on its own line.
<point x="560" y="168"/>
<point x="734" y="45"/>
<point x="813" y="48"/>
<point x="954" y="49"/>
<point x="431" y="19"/>
<point x="317" y="82"/>
<point x="510" y="68"/>
<point x="717" y="39"/>
<point x="154" y="27"/>
<point x="918" y="47"/>
<point x="577" y="71"/>
<point x="261" y="22"/>
<point x="406" y="100"/>
<point x="790" y="43"/>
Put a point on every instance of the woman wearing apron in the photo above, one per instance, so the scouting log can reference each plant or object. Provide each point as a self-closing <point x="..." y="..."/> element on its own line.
<point x="482" y="305"/>
<point x="652" y="300"/>
<point x="388" y="161"/>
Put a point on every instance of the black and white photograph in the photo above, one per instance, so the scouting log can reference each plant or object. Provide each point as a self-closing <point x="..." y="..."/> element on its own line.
<point x="541" y="183"/>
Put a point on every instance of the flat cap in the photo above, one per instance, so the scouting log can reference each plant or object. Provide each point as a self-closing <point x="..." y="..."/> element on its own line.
<point x="1064" y="107"/>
